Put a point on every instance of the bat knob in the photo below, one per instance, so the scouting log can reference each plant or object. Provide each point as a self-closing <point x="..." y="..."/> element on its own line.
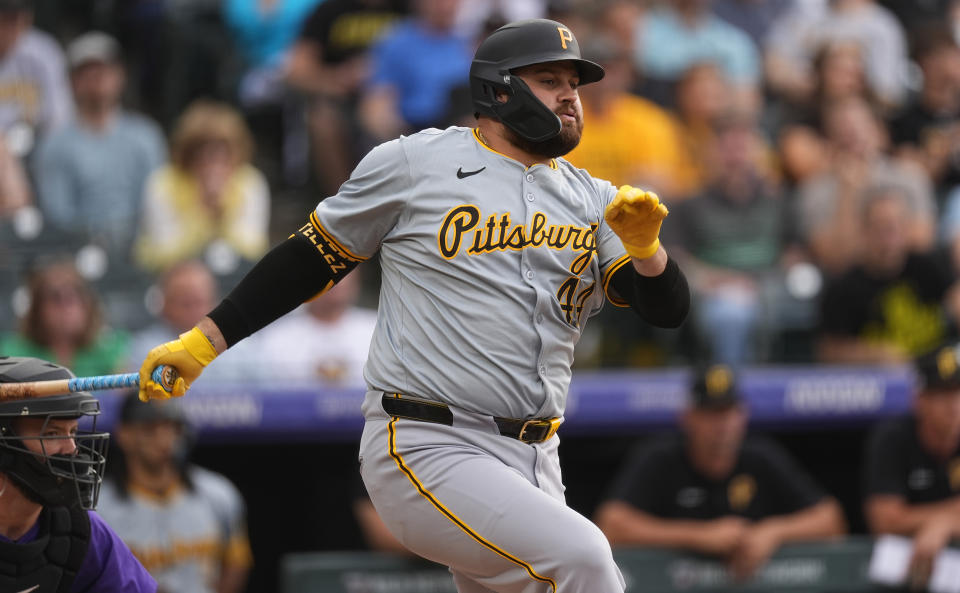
<point x="165" y="376"/>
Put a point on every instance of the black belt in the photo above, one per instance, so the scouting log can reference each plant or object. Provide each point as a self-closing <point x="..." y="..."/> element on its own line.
<point x="534" y="430"/>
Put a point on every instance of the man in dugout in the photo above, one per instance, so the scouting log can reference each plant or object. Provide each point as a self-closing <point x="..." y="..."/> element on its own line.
<point x="185" y="523"/>
<point x="912" y="465"/>
<point x="713" y="490"/>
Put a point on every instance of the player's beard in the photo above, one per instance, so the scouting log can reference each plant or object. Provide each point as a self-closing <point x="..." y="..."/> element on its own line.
<point x="559" y="145"/>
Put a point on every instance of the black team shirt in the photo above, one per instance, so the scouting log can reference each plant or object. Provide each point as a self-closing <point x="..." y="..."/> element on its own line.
<point x="896" y="464"/>
<point x="346" y="28"/>
<point x="659" y="480"/>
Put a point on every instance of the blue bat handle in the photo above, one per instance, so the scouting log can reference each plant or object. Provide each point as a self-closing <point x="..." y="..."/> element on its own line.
<point x="104" y="382"/>
<point x="158" y="378"/>
<point x="115" y="381"/>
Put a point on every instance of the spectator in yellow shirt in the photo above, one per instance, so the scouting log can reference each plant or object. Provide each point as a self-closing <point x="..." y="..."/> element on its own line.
<point x="630" y="140"/>
<point x="208" y="196"/>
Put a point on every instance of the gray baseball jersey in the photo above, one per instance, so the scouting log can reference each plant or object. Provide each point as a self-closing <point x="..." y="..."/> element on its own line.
<point x="489" y="269"/>
<point x="185" y="538"/>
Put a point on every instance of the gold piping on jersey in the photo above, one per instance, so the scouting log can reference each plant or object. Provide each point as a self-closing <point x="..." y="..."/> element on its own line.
<point x="333" y="242"/>
<point x="608" y="275"/>
<point x="339" y="261"/>
<point x="452" y="517"/>
<point x="479" y="138"/>
<point x="500" y="234"/>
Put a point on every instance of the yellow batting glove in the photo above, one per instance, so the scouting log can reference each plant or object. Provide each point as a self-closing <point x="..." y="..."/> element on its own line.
<point x="187" y="355"/>
<point x="635" y="216"/>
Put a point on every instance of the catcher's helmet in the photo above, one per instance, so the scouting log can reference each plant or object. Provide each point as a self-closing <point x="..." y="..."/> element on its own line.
<point x="50" y="479"/>
<point x="515" y="45"/>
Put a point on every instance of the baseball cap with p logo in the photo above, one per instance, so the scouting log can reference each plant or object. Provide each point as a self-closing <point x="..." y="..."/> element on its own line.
<point x="939" y="370"/>
<point x="714" y="388"/>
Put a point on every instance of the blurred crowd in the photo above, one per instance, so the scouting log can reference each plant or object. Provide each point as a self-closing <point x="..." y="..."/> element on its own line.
<point x="809" y="152"/>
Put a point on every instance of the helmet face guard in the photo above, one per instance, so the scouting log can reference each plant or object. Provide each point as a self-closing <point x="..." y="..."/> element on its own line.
<point x="519" y="44"/>
<point x="522" y="112"/>
<point x="84" y="469"/>
<point x="55" y="479"/>
<point x="31" y="459"/>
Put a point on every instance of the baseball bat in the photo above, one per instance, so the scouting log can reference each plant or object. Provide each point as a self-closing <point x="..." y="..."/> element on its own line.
<point x="166" y="376"/>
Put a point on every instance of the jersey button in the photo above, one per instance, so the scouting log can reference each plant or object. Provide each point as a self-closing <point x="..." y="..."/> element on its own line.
<point x="530" y="274"/>
<point x="530" y="178"/>
<point x="543" y="370"/>
<point x="529" y="197"/>
<point x="540" y="318"/>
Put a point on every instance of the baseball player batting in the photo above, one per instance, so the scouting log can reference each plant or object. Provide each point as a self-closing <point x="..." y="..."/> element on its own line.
<point x="494" y="251"/>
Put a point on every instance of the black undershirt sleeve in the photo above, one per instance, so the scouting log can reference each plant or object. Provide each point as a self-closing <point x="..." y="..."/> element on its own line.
<point x="662" y="301"/>
<point x="289" y="274"/>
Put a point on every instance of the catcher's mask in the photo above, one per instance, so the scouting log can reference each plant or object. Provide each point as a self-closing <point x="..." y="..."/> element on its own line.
<point x="29" y="455"/>
<point x="518" y="44"/>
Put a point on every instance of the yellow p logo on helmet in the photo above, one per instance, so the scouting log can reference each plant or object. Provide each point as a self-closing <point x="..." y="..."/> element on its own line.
<point x="565" y="36"/>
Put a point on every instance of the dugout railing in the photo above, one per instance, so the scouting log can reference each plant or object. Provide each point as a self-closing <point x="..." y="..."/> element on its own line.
<point x="832" y="567"/>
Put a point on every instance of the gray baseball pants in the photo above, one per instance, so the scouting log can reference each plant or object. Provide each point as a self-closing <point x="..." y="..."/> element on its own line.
<point x="488" y="506"/>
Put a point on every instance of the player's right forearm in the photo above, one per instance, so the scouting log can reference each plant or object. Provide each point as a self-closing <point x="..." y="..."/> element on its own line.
<point x="289" y="274"/>
<point x="210" y="330"/>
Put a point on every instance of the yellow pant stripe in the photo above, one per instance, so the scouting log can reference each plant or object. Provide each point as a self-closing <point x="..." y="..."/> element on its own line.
<point x="456" y="520"/>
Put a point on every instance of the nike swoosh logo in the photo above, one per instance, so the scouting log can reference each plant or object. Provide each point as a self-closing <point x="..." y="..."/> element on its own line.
<point x="33" y="588"/>
<point x="461" y="173"/>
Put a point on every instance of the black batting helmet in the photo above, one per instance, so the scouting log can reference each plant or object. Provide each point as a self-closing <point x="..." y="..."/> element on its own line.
<point x="50" y="479"/>
<point x="515" y="45"/>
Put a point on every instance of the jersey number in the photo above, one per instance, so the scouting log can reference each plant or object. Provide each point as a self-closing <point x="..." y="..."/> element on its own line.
<point x="571" y="302"/>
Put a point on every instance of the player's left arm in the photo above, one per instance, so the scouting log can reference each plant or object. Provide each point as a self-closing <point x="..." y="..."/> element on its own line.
<point x="653" y="285"/>
<point x="662" y="299"/>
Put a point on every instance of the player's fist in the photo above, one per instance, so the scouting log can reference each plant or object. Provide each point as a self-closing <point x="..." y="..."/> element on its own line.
<point x="187" y="355"/>
<point x="635" y="216"/>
